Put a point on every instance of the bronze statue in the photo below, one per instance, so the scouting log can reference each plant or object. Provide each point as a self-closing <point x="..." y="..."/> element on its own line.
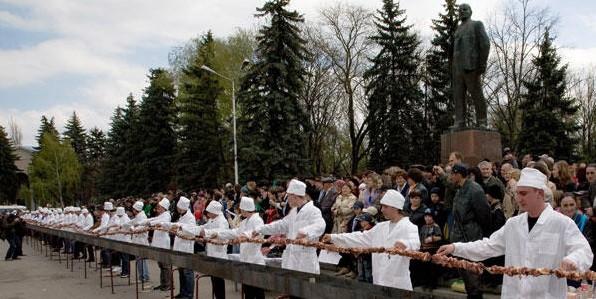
<point x="470" y="53"/>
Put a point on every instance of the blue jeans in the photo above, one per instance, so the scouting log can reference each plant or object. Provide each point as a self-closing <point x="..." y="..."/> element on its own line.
<point x="125" y="258"/>
<point x="187" y="282"/>
<point x="142" y="269"/>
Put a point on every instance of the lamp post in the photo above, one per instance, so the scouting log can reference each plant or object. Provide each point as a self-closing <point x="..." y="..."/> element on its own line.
<point x="206" y="68"/>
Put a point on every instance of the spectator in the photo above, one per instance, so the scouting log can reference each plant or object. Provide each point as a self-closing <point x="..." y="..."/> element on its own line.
<point x="487" y="175"/>
<point x="416" y="209"/>
<point x="415" y="178"/>
<point x="364" y="261"/>
<point x="430" y="240"/>
<point x="471" y="216"/>
<point x="326" y="201"/>
<point x="510" y="207"/>
<point x="569" y="208"/>
<point x="437" y="207"/>
<point x="371" y="194"/>
<point x="562" y="177"/>
<point x="342" y="209"/>
<point x="401" y="182"/>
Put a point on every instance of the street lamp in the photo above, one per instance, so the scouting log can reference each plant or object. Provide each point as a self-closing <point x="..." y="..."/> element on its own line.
<point x="206" y="68"/>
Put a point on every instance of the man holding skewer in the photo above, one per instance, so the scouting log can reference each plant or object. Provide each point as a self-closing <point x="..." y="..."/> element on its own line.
<point x="538" y="238"/>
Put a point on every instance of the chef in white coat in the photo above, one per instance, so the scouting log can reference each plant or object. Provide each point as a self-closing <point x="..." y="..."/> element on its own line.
<point x="161" y="239"/>
<point x="134" y="225"/>
<point x="397" y="231"/>
<point x="103" y="227"/>
<point x="304" y="221"/>
<point x="120" y="219"/>
<point x="538" y="238"/>
<point x="249" y="252"/>
<point x="217" y="221"/>
<point x="187" y="219"/>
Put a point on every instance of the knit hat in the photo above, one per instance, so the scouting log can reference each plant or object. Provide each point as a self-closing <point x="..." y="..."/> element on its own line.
<point x="460" y="168"/>
<point x="495" y="191"/>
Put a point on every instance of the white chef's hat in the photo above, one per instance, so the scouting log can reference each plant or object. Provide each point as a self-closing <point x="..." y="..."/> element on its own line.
<point x="138" y="206"/>
<point x="165" y="203"/>
<point x="247" y="204"/>
<point x="183" y="203"/>
<point x="120" y="211"/>
<point x="215" y="207"/>
<point x="296" y="187"/>
<point x="108" y="206"/>
<point x="533" y="178"/>
<point x="84" y="211"/>
<point x="394" y="199"/>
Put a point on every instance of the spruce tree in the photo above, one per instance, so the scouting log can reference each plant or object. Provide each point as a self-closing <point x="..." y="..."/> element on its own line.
<point x="121" y="152"/>
<point x="158" y="143"/>
<point x="9" y="184"/>
<point x="439" y="105"/>
<point x="96" y="141"/>
<point x="199" y="159"/>
<point x="47" y="126"/>
<point x="396" y="127"/>
<point x="75" y="132"/>
<point x="548" y="114"/>
<point x="273" y="124"/>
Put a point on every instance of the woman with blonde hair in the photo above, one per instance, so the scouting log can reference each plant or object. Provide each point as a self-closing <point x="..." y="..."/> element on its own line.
<point x="562" y="176"/>
<point x="371" y="197"/>
<point x="510" y="207"/>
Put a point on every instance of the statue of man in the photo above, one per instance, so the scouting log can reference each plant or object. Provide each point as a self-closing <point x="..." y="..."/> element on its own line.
<point x="470" y="53"/>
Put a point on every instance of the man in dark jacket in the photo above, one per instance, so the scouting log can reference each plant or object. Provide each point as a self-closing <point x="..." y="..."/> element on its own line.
<point x="327" y="199"/>
<point x="9" y="227"/>
<point x="471" y="219"/>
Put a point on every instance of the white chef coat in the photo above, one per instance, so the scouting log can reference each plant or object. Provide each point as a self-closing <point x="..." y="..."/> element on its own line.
<point x="307" y="221"/>
<point x="553" y="238"/>
<point x="388" y="270"/>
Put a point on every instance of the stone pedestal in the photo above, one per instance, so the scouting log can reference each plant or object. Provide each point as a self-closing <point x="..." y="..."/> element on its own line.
<point x="474" y="144"/>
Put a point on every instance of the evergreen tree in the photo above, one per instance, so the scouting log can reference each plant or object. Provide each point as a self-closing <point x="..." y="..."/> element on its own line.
<point x="75" y="132"/>
<point x="273" y="124"/>
<point x="9" y="183"/>
<point x="396" y="127"/>
<point x="548" y="114"/>
<point x="199" y="158"/>
<point x="47" y="126"/>
<point x="157" y="146"/>
<point x="439" y="107"/>
<point x="96" y="142"/>
<point x="121" y="152"/>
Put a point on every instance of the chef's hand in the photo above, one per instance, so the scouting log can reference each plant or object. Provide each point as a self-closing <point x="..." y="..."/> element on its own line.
<point x="300" y="236"/>
<point x="214" y="236"/>
<point x="568" y="265"/>
<point x="399" y="245"/>
<point x="255" y="234"/>
<point x="326" y="238"/>
<point x="446" y="249"/>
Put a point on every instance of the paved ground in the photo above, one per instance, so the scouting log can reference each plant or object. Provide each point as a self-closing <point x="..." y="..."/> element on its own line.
<point x="36" y="276"/>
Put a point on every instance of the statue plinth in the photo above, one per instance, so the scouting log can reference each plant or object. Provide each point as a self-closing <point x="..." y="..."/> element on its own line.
<point x="474" y="144"/>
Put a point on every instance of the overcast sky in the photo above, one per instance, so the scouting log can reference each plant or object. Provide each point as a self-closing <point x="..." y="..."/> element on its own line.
<point x="57" y="56"/>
